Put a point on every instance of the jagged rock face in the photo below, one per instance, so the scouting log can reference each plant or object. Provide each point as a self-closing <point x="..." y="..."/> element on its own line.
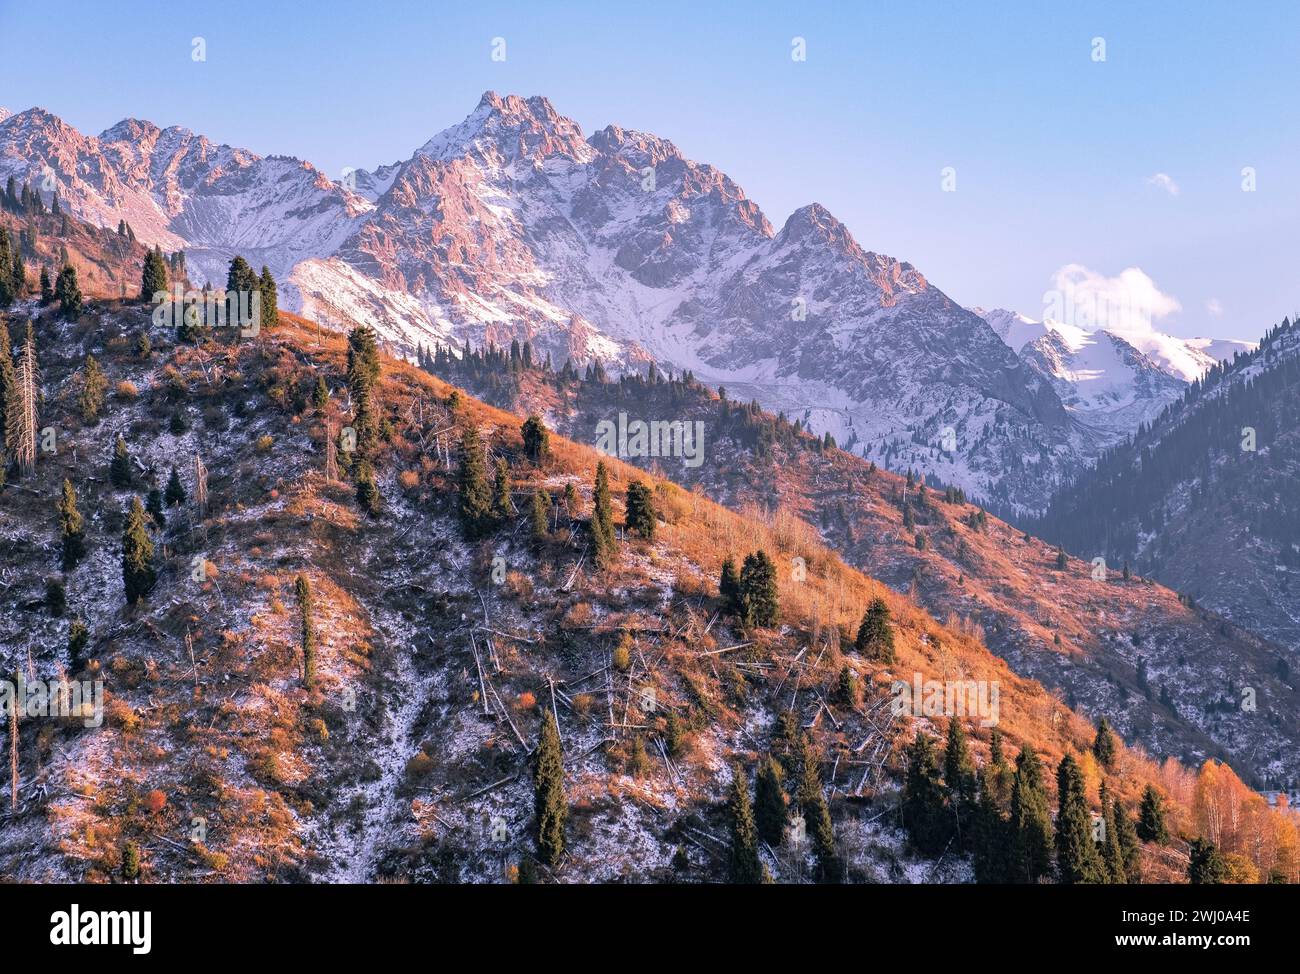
<point x="511" y="224"/>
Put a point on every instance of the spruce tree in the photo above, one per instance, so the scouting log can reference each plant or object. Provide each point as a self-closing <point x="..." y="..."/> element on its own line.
<point x="72" y="535"/>
<point x="539" y="514"/>
<point x="537" y="439"/>
<point x="959" y="780"/>
<point x="550" y="805"/>
<point x="119" y="470"/>
<point x="769" y="802"/>
<point x="1129" y="846"/>
<point x="846" y="687"/>
<point x="90" y="397"/>
<point x="502" y="507"/>
<point x="78" y="638"/>
<point x="759" y="604"/>
<point x="641" y="510"/>
<point x="475" y="494"/>
<point x="1030" y="825"/>
<point x="1103" y="745"/>
<point x="270" y="313"/>
<point x="875" y="639"/>
<point x="1206" y="865"/>
<point x="602" y="520"/>
<point x="307" y="629"/>
<point x="1077" y="859"/>
<point x="175" y="491"/>
<point x="1151" y="825"/>
<point x="817" y="814"/>
<point x="368" y="497"/>
<point x="363" y="380"/>
<point x="924" y="816"/>
<point x="138" y="575"/>
<point x="153" y="277"/>
<point x="240" y="276"/>
<point x="746" y="868"/>
<point x="68" y="293"/>
<point x="729" y="587"/>
<point x="1112" y="856"/>
<point x="47" y="289"/>
<point x="990" y="840"/>
<point x="320" y="394"/>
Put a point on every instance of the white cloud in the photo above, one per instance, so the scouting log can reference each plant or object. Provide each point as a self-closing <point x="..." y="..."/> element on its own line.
<point x="1213" y="307"/>
<point x="1128" y="303"/>
<point x="1165" y="182"/>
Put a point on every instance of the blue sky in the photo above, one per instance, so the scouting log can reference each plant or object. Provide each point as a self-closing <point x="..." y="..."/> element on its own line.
<point x="1056" y="155"/>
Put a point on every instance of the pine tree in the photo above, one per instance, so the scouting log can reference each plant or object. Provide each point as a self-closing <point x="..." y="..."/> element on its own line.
<point x="602" y="520"/>
<point x="816" y="813"/>
<point x="875" y="638"/>
<point x="539" y="514"/>
<point x="270" y="313"/>
<point x="1062" y="560"/>
<point x="320" y="395"/>
<point x="1151" y="825"/>
<point x="1077" y="860"/>
<point x="153" y="505"/>
<point x="924" y="816"/>
<point x="549" y="802"/>
<point x="1103" y="745"/>
<point x="759" y="604"/>
<point x="990" y="839"/>
<point x="68" y="293"/>
<point x="138" y="575"/>
<point x="502" y="506"/>
<point x="10" y="397"/>
<point x="363" y="379"/>
<point x="119" y="471"/>
<point x="90" y="398"/>
<point x="746" y="868"/>
<point x="143" y="347"/>
<point x="641" y="510"/>
<point x="47" y="289"/>
<point x="307" y="628"/>
<point x="537" y="439"/>
<point x="1112" y="856"/>
<point x="769" y="802"/>
<point x="240" y="276"/>
<point x="959" y="780"/>
<point x="153" y="277"/>
<point x="1206" y="865"/>
<point x="175" y="492"/>
<point x="72" y="533"/>
<point x="1031" y="827"/>
<point x="475" y="495"/>
<point x="368" y="497"/>
<point x="729" y="587"/>
<point x="846" y="687"/>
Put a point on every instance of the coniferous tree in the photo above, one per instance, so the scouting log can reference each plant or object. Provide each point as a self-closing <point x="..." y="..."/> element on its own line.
<point x="320" y="394"/>
<point x="1030" y="825"/>
<point x="68" y="293"/>
<point x="119" y="471"/>
<point x="1206" y="865"/>
<point x="10" y="394"/>
<point x="270" y="312"/>
<point x="759" y="605"/>
<point x="1077" y="859"/>
<point x="769" y="802"/>
<point x="602" y="520"/>
<point x="990" y="837"/>
<point x="846" y="687"/>
<point x="138" y="575"/>
<point x="307" y="629"/>
<point x="537" y="439"/>
<point x="175" y="491"/>
<point x="959" y="780"/>
<point x="1112" y="856"/>
<point x="539" y="513"/>
<point x="144" y="347"/>
<point x="368" y="496"/>
<point x="475" y="494"/>
<point x="729" y="587"/>
<point x="240" y="276"/>
<point x="924" y="816"/>
<point x="363" y="379"/>
<point x="153" y="505"/>
<point x="1103" y="745"/>
<point x="502" y="507"/>
<point x="875" y="639"/>
<point x="550" y="805"/>
<point x="641" y="510"/>
<point x="78" y="638"/>
<point x="72" y="533"/>
<point x="1129" y="847"/>
<point x="153" y="278"/>
<point x="746" y="867"/>
<point x="47" y="288"/>
<point x="90" y="397"/>
<point x="1151" y="825"/>
<point x="817" y="814"/>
